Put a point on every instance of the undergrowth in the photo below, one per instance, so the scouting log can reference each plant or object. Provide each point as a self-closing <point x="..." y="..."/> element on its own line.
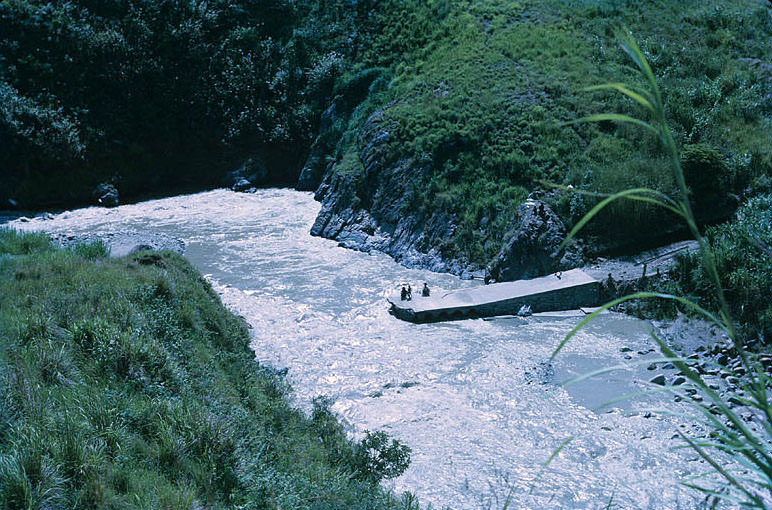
<point x="743" y="253"/>
<point x="736" y="446"/>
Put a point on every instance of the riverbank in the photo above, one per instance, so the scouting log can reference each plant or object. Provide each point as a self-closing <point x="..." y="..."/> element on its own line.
<point x="126" y="383"/>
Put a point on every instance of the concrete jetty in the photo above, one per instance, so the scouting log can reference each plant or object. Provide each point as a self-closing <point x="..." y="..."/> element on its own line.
<point x="559" y="291"/>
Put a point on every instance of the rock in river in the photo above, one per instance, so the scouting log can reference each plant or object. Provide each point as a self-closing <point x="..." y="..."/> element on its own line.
<point x="252" y="172"/>
<point x="660" y="379"/>
<point x="679" y="381"/>
<point x="242" y="185"/>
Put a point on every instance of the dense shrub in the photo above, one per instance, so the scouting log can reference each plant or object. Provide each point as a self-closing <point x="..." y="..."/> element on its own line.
<point x="153" y="95"/>
<point x="743" y="251"/>
<point x="708" y="178"/>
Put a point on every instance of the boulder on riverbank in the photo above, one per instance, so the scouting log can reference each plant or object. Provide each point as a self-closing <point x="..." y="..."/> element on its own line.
<point x="251" y="173"/>
<point x="106" y="195"/>
<point x="534" y="246"/>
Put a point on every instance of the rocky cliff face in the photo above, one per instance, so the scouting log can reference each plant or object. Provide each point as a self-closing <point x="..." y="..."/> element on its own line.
<point x="533" y="247"/>
<point x="372" y="209"/>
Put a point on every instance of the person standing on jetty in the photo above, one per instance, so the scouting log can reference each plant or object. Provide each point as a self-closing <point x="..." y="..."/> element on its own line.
<point x="425" y="290"/>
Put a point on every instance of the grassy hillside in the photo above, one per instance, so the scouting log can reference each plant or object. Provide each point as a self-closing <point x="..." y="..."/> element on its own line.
<point x="477" y="91"/>
<point x="126" y="384"/>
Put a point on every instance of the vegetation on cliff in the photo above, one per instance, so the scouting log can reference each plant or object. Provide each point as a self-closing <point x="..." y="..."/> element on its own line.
<point x="124" y="383"/>
<point x="478" y="92"/>
<point x="476" y="108"/>
<point x="743" y="252"/>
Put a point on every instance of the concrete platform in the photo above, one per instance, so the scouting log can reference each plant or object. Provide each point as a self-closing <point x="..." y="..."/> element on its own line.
<point x="560" y="291"/>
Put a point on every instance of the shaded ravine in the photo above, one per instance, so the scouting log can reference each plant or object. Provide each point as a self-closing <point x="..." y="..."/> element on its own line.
<point x="476" y="400"/>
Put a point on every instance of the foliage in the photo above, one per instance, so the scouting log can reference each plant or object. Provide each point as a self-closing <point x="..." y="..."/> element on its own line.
<point x="376" y="457"/>
<point x="747" y="478"/>
<point x="743" y="259"/>
<point x="708" y="178"/>
<point x="379" y="457"/>
<point x="124" y="383"/>
<point x="479" y="91"/>
<point x="156" y="95"/>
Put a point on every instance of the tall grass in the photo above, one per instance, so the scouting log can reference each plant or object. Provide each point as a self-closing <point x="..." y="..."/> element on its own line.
<point x="747" y="479"/>
<point x="125" y="383"/>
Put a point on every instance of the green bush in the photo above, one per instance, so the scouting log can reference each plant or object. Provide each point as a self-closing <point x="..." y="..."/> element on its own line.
<point x="708" y="178"/>
<point x="378" y="457"/>
<point x="92" y="251"/>
<point x="743" y="251"/>
<point x="375" y="458"/>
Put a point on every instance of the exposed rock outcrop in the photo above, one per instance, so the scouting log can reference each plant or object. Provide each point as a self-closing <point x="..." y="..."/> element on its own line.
<point x="372" y="209"/>
<point x="316" y="164"/>
<point x="313" y="171"/>
<point x="533" y="248"/>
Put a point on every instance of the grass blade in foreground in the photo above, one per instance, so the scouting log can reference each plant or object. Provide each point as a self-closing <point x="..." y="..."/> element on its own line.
<point x="731" y="437"/>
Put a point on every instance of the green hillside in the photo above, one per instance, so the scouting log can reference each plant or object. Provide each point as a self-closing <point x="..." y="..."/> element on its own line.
<point x="424" y="124"/>
<point x="124" y="383"/>
<point x="478" y="91"/>
<point x="465" y="102"/>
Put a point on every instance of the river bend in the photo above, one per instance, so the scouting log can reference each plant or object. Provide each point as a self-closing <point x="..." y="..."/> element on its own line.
<point x="474" y="399"/>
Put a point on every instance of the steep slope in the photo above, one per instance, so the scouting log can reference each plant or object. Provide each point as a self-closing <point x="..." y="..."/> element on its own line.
<point x="125" y="383"/>
<point x="467" y="120"/>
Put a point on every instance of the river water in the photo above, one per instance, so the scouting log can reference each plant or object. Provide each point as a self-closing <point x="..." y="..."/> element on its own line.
<point x="474" y="399"/>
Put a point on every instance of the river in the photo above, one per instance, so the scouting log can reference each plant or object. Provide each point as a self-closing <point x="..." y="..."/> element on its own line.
<point x="475" y="399"/>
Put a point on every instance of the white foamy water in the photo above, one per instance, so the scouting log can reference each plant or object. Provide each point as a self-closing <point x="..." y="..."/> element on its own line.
<point x="474" y="399"/>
